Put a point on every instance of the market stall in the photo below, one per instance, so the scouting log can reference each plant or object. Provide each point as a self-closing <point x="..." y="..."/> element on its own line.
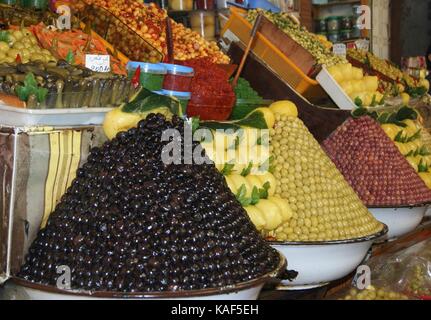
<point x="142" y="160"/>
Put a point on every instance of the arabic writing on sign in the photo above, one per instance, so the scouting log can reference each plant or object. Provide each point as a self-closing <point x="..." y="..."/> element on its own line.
<point x="340" y="49"/>
<point x="98" y="63"/>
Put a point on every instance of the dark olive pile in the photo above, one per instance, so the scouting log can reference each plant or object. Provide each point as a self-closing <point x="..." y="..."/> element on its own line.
<point x="130" y="223"/>
<point x="373" y="165"/>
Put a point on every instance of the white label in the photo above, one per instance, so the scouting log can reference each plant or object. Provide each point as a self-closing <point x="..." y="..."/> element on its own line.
<point x="340" y="49"/>
<point x="98" y="63"/>
<point x="362" y="44"/>
<point x="63" y="21"/>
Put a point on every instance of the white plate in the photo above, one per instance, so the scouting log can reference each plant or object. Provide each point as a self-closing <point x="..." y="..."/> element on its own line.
<point x="320" y="263"/>
<point x="400" y="221"/>
<point x="13" y="116"/>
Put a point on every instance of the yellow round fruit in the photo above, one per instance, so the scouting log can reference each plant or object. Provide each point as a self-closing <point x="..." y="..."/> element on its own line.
<point x="268" y="115"/>
<point x="284" y="107"/>
<point x="117" y="121"/>
<point x="405" y="97"/>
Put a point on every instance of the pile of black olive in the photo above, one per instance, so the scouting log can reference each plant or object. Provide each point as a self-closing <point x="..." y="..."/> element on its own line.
<point x="130" y="223"/>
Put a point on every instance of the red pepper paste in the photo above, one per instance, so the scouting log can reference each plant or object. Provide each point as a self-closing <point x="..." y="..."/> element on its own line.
<point x="213" y="97"/>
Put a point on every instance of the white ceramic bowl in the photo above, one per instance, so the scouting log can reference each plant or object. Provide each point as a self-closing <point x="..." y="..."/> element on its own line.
<point x="400" y="221"/>
<point x="18" y="289"/>
<point x="319" y="263"/>
<point x="428" y="212"/>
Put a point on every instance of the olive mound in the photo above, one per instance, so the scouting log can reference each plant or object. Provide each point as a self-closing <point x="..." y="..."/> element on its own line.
<point x="325" y="207"/>
<point x="373" y="165"/>
<point x="130" y="223"/>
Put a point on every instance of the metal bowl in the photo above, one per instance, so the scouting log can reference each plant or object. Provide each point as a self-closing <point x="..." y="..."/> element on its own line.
<point x="25" y="290"/>
<point x="319" y="263"/>
<point x="400" y="220"/>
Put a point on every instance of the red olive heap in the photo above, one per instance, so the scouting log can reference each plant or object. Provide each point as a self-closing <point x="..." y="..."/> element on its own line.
<point x="130" y="223"/>
<point x="373" y="166"/>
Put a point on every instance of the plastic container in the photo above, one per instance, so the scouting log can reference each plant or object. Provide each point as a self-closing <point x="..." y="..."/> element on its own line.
<point x="181" y="5"/>
<point x="182" y="97"/>
<point x="321" y="26"/>
<point x="333" y="24"/>
<point x="177" y="78"/>
<point x="152" y="74"/>
<point x="334" y="37"/>
<point x="346" y="23"/>
<point x="345" y="35"/>
<point x="205" y="4"/>
<point x="203" y="22"/>
<point x="211" y="107"/>
<point x="238" y="28"/>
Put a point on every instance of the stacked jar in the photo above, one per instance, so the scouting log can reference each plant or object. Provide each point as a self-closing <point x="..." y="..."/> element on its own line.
<point x="203" y="20"/>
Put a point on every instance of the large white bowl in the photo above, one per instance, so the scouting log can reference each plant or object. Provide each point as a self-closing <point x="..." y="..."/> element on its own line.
<point x="428" y="212"/>
<point x="400" y="221"/>
<point x="18" y="289"/>
<point x="319" y="263"/>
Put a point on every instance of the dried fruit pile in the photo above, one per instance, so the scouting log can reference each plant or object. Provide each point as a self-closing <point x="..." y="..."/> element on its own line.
<point x="324" y="205"/>
<point x="374" y="167"/>
<point x="148" y="21"/>
<point x="130" y="223"/>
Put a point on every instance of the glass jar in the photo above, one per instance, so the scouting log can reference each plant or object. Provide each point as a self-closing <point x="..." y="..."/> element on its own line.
<point x="181" y="5"/>
<point x="203" y="22"/>
<point x="205" y="4"/>
<point x="346" y="23"/>
<point x="345" y="35"/>
<point x="152" y="74"/>
<point x="334" y="37"/>
<point x="321" y="25"/>
<point x="333" y="24"/>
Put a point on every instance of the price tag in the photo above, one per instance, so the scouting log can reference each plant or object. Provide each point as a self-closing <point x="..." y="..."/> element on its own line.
<point x="63" y="21"/>
<point x="340" y="49"/>
<point x="362" y="44"/>
<point x="98" y="63"/>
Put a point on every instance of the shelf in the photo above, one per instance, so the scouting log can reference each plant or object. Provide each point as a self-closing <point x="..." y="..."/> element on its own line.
<point x="337" y="3"/>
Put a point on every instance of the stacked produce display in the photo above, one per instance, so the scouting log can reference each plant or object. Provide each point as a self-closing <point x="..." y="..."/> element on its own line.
<point x="363" y="90"/>
<point x="301" y="35"/>
<point x="392" y="80"/>
<point x="318" y="203"/>
<point x="149" y="23"/>
<point x="373" y="165"/>
<point x="325" y="206"/>
<point x="131" y="223"/>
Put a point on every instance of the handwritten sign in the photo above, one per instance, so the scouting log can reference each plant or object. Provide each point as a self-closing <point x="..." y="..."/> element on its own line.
<point x="340" y="49"/>
<point x="98" y="63"/>
<point x="64" y="20"/>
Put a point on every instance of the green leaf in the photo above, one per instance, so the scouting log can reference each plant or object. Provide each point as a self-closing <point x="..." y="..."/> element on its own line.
<point x="227" y="169"/>
<point x="253" y="120"/>
<point x="241" y="196"/>
<point x="41" y="94"/>
<point x="374" y="101"/>
<point x="4" y="36"/>
<point x="30" y="80"/>
<point x="214" y="125"/>
<point x="70" y="57"/>
<point x="406" y="113"/>
<point x="359" y="112"/>
<point x="422" y="167"/>
<point x="358" y="102"/>
<point x="246" y="171"/>
<point x="399" y="136"/>
<point x="195" y="124"/>
<point x="416" y="136"/>
<point x="383" y="118"/>
<point x="255" y="196"/>
<point x="263" y="193"/>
